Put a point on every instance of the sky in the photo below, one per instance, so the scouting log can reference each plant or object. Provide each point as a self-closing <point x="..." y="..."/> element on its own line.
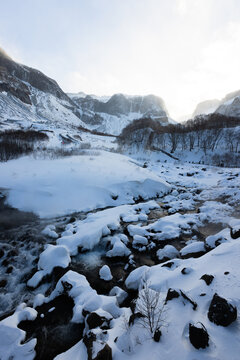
<point x="184" y="51"/>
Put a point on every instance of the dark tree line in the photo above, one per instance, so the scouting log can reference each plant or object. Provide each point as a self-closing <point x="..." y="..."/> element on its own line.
<point x="203" y="132"/>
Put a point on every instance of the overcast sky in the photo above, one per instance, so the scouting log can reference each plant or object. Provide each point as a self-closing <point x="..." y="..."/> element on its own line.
<point x="185" y="51"/>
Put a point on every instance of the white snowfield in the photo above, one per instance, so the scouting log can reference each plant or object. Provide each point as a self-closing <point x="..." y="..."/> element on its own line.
<point x="79" y="183"/>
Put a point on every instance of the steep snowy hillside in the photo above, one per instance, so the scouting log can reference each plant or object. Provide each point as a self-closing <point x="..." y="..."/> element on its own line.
<point x="229" y="106"/>
<point x="112" y="114"/>
<point x="206" y="107"/>
<point x="27" y="96"/>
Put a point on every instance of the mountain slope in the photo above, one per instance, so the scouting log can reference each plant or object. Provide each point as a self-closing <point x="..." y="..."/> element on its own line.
<point x="112" y="114"/>
<point x="27" y="95"/>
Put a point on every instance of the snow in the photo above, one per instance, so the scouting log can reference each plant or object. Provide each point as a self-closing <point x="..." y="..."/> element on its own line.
<point x="50" y="231"/>
<point x="11" y="337"/>
<point x="105" y="273"/>
<point x="79" y="183"/>
<point x="169" y="252"/>
<point x="192" y="248"/>
<point x="89" y="232"/>
<point x="84" y="296"/>
<point x="52" y="256"/>
<point x="207" y="197"/>
<point x="139" y="240"/>
<point x="222" y="263"/>
<point x="118" y="249"/>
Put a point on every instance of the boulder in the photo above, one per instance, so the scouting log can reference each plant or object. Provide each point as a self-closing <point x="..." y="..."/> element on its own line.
<point x="198" y="336"/>
<point x="207" y="278"/>
<point x="94" y="320"/>
<point x="221" y="312"/>
<point x="171" y="294"/>
<point x="105" y="353"/>
<point x="157" y="335"/>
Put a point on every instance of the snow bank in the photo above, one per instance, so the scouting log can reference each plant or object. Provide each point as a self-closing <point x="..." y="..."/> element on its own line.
<point x="89" y="232"/>
<point x="77" y="183"/>
<point x="11" y="337"/>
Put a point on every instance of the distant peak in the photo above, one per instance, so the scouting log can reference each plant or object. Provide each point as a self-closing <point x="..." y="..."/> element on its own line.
<point x="4" y="54"/>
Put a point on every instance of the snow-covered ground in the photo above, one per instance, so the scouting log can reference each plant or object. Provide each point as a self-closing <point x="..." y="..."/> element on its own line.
<point x="78" y="183"/>
<point x="145" y="221"/>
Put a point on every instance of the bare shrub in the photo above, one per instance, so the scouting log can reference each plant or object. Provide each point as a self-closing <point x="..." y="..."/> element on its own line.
<point x="150" y="306"/>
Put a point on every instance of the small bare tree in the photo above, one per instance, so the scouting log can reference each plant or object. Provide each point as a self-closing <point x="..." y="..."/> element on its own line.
<point x="150" y="306"/>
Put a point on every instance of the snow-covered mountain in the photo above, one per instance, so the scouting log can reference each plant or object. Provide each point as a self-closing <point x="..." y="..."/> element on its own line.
<point x="229" y="106"/>
<point x="206" y="107"/>
<point x="112" y="114"/>
<point x="28" y="96"/>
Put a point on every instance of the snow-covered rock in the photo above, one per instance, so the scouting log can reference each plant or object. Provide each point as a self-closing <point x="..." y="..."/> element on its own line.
<point x="105" y="273"/>
<point x="168" y="252"/>
<point x="193" y="249"/>
<point x="51" y="257"/>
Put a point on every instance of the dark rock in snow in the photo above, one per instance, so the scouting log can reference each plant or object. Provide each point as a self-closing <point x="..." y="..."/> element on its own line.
<point x="221" y="312"/>
<point x="94" y="320"/>
<point x="104" y="354"/>
<point x="88" y="341"/>
<point x="198" y="335"/>
<point x="133" y="317"/>
<point x="235" y="234"/>
<point x="171" y="294"/>
<point x="194" y="304"/>
<point x="168" y="264"/>
<point x="3" y="283"/>
<point x="157" y="335"/>
<point x="207" y="278"/>
<point x="1" y="253"/>
<point x="186" y="271"/>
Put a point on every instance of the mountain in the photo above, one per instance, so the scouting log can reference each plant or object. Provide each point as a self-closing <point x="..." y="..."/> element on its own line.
<point x="228" y="106"/>
<point x="28" y="96"/>
<point x="112" y="114"/>
<point x="206" y="107"/>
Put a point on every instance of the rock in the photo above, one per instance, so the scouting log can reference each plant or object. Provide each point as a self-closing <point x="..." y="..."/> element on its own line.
<point x="168" y="264"/>
<point x="194" y="304"/>
<point x="207" y="278"/>
<point x="235" y="234"/>
<point x="94" y="320"/>
<point x="9" y="269"/>
<point x="198" y="336"/>
<point x="3" y="283"/>
<point x="1" y="253"/>
<point x="157" y="335"/>
<point x="133" y="317"/>
<point x="105" y="273"/>
<point x="171" y="294"/>
<point x="221" y="312"/>
<point x="186" y="271"/>
<point x="104" y="354"/>
<point x="88" y="340"/>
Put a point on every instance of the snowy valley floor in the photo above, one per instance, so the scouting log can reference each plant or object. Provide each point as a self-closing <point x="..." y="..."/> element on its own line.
<point x="91" y="231"/>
